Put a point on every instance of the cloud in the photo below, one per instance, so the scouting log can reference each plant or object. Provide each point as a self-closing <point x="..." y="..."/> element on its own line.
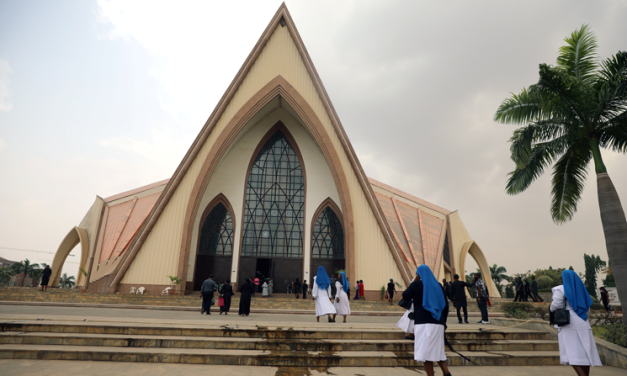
<point x="3" y="144"/>
<point x="5" y="91"/>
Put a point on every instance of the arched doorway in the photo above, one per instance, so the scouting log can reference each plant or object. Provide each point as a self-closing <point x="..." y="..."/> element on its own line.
<point x="327" y="239"/>
<point x="215" y="245"/>
<point x="272" y="236"/>
<point x="472" y="248"/>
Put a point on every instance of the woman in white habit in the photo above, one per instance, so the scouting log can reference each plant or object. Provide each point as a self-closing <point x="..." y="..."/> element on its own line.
<point x="265" y="290"/>
<point x="430" y="314"/>
<point x="342" y="305"/>
<point x="321" y="294"/>
<point x="576" y="341"/>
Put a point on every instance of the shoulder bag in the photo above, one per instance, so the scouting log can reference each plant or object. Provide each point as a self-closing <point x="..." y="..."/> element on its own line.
<point x="561" y="316"/>
<point x="405" y="303"/>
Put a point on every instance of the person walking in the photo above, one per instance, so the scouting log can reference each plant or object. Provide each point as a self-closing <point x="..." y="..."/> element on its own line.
<point x="482" y="298"/>
<point x="305" y="288"/>
<point x="534" y="290"/>
<point x="246" y="290"/>
<point x="362" y="290"/>
<point x="391" y="291"/>
<point x="458" y="296"/>
<point x="342" y="305"/>
<point x="297" y="288"/>
<point x="528" y="290"/>
<point x="264" y="288"/>
<point x="206" y="293"/>
<point x="447" y="289"/>
<point x="519" y="289"/>
<point x="605" y="299"/>
<point x="321" y="294"/>
<point x="576" y="341"/>
<point x="430" y="314"/>
<point x="257" y="283"/>
<point x="356" y="290"/>
<point x="45" y="278"/>
<point x="226" y="292"/>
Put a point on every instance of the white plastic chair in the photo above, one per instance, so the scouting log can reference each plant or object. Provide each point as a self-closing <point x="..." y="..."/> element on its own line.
<point x="165" y="292"/>
<point x="132" y="290"/>
<point x="140" y="291"/>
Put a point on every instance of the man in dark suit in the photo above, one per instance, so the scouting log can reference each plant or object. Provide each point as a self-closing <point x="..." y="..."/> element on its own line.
<point x="534" y="290"/>
<point x="458" y="296"/>
<point x="518" y="286"/>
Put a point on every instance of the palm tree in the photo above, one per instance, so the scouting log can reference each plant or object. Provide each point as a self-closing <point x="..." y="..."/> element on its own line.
<point x="498" y="274"/>
<point x="6" y="273"/>
<point x="577" y="107"/>
<point x="66" y="281"/>
<point x="24" y="267"/>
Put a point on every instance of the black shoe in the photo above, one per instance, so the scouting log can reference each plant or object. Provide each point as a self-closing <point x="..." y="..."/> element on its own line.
<point x="460" y="322"/>
<point x="202" y="311"/>
<point x="479" y="322"/>
<point x="467" y="322"/>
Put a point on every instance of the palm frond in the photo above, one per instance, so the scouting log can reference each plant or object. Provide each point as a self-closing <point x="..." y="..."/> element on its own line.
<point x="542" y="155"/>
<point x="578" y="57"/>
<point x="523" y="108"/>
<point x="569" y="176"/>
<point x="614" y="136"/>
<point x="611" y="87"/>
<point x="567" y="98"/>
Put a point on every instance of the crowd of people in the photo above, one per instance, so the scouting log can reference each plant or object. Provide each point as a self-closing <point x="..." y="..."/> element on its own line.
<point x="526" y="290"/>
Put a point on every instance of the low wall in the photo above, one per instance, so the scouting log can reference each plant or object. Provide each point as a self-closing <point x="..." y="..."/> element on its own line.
<point x="611" y="354"/>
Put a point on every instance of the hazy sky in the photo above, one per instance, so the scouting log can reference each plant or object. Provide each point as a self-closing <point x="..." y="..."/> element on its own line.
<point x="98" y="97"/>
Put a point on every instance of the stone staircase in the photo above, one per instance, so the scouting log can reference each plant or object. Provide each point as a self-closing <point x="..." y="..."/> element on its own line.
<point x="275" y="302"/>
<point x="319" y="346"/>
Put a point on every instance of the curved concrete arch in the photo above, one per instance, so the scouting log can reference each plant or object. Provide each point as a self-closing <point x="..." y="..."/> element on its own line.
<point x="476" y="253"/>
<point x="75" y="236"/>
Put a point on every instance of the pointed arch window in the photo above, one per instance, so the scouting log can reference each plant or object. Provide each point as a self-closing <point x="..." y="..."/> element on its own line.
<point x="275" y="199"/>
<point x="328" y="236"/>
<point x="216" y="236"/>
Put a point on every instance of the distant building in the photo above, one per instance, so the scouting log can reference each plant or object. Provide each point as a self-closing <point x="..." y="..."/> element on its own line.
<point x="4" y="262"/>
<point x="270" y="186"/>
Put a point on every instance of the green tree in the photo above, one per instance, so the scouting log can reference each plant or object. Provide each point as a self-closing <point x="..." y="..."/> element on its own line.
<point x="545" y="282"/>
<point x="5" y="275"/>
<point x="593" y="264"/>
<point x="576" y="108"/>
<point x="67" y="282"/>
<point x="498" y="274"/>
<point x="24" y="267"/>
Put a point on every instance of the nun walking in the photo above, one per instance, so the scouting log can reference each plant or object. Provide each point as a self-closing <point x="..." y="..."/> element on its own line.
<point x="342" y="305"/>
<point x="430" y="314"/>
<point x="321" y="294"/>
<point x="576" y="341"/>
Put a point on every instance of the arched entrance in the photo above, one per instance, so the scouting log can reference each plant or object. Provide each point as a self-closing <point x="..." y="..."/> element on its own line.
<point x="274" y="210"/>
<point x="75" y="236"/>
<point x="327" y="239"/>
<point x="215" y="244"/>
<point x="475" y="252"/>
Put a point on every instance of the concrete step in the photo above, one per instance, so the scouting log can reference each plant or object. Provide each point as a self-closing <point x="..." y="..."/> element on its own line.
<point x="269" y="358"/>
<point x="243" y="343"/>
<point x="266" y="332"/>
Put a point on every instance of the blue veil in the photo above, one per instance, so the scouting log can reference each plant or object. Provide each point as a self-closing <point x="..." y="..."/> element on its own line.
<point x="432" y="295"/>
<point x="345" y="284"/>
<point x="322" y="278"/>
<point x="576" y="293"/>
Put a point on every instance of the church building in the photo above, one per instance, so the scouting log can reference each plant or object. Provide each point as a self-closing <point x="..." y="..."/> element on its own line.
<point x="271" y="186"/>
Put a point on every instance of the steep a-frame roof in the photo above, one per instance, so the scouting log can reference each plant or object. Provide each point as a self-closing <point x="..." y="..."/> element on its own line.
<point x="281" y="19"/>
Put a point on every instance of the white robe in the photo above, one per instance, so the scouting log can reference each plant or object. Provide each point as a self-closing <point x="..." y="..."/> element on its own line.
<point x="265" y="289"/>
<point x="576" y="341"/>
<point x="343" y="307"/>
<point x="429" y="343"/>
<point x="323" y="303"/>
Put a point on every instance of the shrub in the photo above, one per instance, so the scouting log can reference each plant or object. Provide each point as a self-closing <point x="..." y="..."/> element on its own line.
<point x="509" y="292"/>
<point x="597" y="307"/>
<point x="382" y="291"/>
<point x="617" y="334"/>
<point x="516" y="310"/>
<point x="545" y="282"/>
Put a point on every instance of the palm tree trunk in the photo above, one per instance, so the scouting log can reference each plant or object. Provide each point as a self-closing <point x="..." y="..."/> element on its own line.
<point x="615" y="231"/>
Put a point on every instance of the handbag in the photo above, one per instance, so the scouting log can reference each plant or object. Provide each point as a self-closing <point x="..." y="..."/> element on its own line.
<point x="405" y="303"/>
<point x="489" y="303"/>
<point x="561" y="316"/>
<point x="387" y="296"/>
<point x="221" y="302"/>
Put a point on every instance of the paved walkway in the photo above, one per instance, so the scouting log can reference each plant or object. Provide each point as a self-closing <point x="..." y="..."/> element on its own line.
<point x="70" y="368"/>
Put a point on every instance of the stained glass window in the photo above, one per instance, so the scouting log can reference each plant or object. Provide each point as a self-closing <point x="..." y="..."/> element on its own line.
<point x="216" y="236"/>
<point x="275" y="198"/>
<point x="328" y="236"/>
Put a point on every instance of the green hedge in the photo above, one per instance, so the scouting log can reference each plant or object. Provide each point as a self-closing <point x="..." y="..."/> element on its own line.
<point x="524" y="311"/>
